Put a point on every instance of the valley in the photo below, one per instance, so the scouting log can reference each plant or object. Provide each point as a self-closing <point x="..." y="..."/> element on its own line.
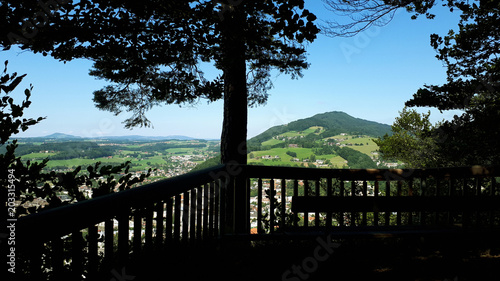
<point x="327" y="140"/>
<point x="167" y="158"/>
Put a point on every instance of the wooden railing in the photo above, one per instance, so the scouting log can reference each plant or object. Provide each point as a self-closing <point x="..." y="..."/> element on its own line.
<point x="82" y="240"/>
<point x="342" y="201"/>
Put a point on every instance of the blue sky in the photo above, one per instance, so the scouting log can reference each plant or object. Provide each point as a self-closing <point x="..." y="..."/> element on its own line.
<point x="369" y="76"/>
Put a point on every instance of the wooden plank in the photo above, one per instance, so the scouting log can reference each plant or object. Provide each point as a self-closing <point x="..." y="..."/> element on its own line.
<point x="295" y="193"/>
<point x="217" y="212"/>
<point x="317" y="194"/>
<point x="148" y="232"/>
<point x="271" y="206"/>
<point x="123" y="226"/>
<point x="185" y="217"/>
<point x="477" y="186"/>
<point x="223" y="194"/>
<point x="410" y="193"/>
<point x="177" y="218"/>
<point x="199" y="212"/>
<point x="193" y="214"/>
<point x="108" y="241"/>
<point x="35" y="264"/>
<point x="169" y="220"/>
<point x="394" y="204"/>
<point x="76" y="255"/>
<point x="137" y="240"/>
<point x="159" y="209"/>
<point x="206" y="211"/>
<point x="365" y="194"/>
<point x="341" y="216"/>
<point x="306" y="194"/>
<point x="92" y="252"/>
<point x="368" y="174"/>
<point x="212" y="213"/>
<point x="399" y="193"/>
<point x="353" y="194"/>
<point x="329" y="193"/>
<point x="283" y="204"/>
<point x="387" y="215"/>
<point x="376" y="220"/>
<point x="57" y="258"/>
<point x="260" y="229"/>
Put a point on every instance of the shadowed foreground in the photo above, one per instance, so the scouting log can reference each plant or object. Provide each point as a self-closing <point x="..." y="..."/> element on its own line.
<point x="187" y="225"/>
<point x="319" y="260"/>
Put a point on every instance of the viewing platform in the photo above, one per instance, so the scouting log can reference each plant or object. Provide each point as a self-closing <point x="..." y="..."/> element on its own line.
<point x="243" y="222"/>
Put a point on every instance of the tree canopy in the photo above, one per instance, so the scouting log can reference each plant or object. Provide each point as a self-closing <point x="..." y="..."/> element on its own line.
<point x="151" y="51"/>
<point x="473" y="75"/>
<point x="471" y="57"/>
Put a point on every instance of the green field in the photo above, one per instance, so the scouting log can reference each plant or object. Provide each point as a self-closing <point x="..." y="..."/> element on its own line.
<point x="272" y="142"/>
<point x="363" y="144"/>
<point x="37" y="156"/>
<point x="141" y="156"/>
<point x="285" y="159"/>
<point x="85" y="162"/>
<point x="368" y="145"/>
<point x="306" y="132"/>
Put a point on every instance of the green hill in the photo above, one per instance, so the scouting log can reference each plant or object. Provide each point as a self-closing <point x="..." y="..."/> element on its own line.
<point x="333" y="123"/>
<point x="332" y="139"/>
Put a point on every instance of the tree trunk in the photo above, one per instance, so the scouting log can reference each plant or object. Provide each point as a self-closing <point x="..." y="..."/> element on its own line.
<point x="234" y="127"/>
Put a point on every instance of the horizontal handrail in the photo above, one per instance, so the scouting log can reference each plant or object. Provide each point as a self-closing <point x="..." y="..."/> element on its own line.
<point x="65" y="219"/>
<point x="395" y="203"/>
<point x="254" y="171"/>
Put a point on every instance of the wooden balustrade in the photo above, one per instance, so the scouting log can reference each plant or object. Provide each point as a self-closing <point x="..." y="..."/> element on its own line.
<point x="81" y="240"/>
<point x="336" y="199"/>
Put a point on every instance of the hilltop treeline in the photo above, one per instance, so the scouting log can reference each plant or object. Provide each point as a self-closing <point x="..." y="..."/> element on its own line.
<point x="68" y="150"/>
<point x="158" y="147"/>
<point x="91" y="150"/>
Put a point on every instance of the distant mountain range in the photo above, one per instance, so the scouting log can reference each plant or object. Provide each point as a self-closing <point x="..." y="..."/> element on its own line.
<point x="67" y="137"/>
<point x="334" y="123"/>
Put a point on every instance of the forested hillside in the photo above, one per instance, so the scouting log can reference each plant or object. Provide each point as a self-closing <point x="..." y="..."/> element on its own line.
<point x="334" y="123"/>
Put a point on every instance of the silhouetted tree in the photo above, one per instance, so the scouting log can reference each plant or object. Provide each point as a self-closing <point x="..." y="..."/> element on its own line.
<point x="471" y="56"/>
<point x="150" y="51"/>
